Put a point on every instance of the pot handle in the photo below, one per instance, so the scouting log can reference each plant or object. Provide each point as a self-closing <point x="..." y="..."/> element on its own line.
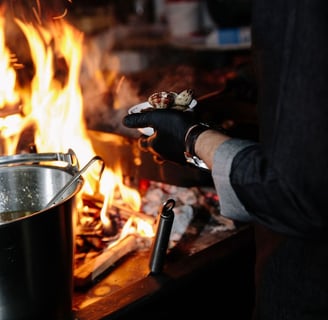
<point x="77" y="175"/>
<point x="69" y="157"/>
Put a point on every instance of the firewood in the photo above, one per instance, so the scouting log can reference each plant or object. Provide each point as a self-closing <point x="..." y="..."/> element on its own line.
<point x="88" y="272"/>
<point x="126" y="213"/>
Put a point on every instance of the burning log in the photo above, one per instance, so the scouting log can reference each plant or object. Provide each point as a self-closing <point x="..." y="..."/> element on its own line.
<point x="89" y="271"/>
<point x="127" y="213"/>
<point x="97" y="200"/>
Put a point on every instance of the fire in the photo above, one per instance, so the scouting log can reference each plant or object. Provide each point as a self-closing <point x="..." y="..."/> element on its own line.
<point x="53" y="105"/>
<point x="8" y="95"/>
<point x="57" y="107"/>
<point x="9" y="98"/>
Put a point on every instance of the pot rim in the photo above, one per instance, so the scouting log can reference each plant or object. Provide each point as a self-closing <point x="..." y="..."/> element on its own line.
<point x="78" y="187"/>
<point x="28" y="167"/>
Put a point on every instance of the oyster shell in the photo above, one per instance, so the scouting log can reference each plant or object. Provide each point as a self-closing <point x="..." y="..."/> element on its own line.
<point x="184" y="98"/>
<point x="162" y="100"/>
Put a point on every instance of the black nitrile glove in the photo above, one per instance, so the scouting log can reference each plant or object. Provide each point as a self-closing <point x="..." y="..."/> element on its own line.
<point x="170" y="127"/>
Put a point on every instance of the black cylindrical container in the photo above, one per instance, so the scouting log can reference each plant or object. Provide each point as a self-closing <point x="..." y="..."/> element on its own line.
<point x="36" y="243"/>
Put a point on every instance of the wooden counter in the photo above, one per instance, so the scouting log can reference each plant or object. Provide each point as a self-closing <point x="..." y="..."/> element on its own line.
<point x="211" y="274"/>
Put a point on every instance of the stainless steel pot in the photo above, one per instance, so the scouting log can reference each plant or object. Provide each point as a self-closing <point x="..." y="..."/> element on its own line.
<point x="37" y="242"/>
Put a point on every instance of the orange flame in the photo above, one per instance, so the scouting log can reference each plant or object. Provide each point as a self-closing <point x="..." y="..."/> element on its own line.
<point x="54" y="105"/>
<point x="8" y="94"/>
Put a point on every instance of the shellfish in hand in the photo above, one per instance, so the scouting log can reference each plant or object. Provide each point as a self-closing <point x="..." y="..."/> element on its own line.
<point x="183" y="99"/>
<point x="164" y="99"/>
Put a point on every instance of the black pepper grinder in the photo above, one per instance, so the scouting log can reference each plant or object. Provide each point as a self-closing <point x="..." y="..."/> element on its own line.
<point x="162" y="237"/>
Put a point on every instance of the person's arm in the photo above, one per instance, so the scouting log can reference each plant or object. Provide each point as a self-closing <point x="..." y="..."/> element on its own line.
<point x="218" y="150"/>
<point x="206" y="145"/>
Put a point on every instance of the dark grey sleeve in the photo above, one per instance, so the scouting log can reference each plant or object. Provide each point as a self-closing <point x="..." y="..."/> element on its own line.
<point x="230" y="205"/>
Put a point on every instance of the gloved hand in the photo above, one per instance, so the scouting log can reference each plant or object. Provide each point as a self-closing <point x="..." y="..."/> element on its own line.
<point x="170" y="127"/>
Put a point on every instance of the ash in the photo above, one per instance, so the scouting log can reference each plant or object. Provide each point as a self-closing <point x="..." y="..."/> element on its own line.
<point x="195" y="208"/>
